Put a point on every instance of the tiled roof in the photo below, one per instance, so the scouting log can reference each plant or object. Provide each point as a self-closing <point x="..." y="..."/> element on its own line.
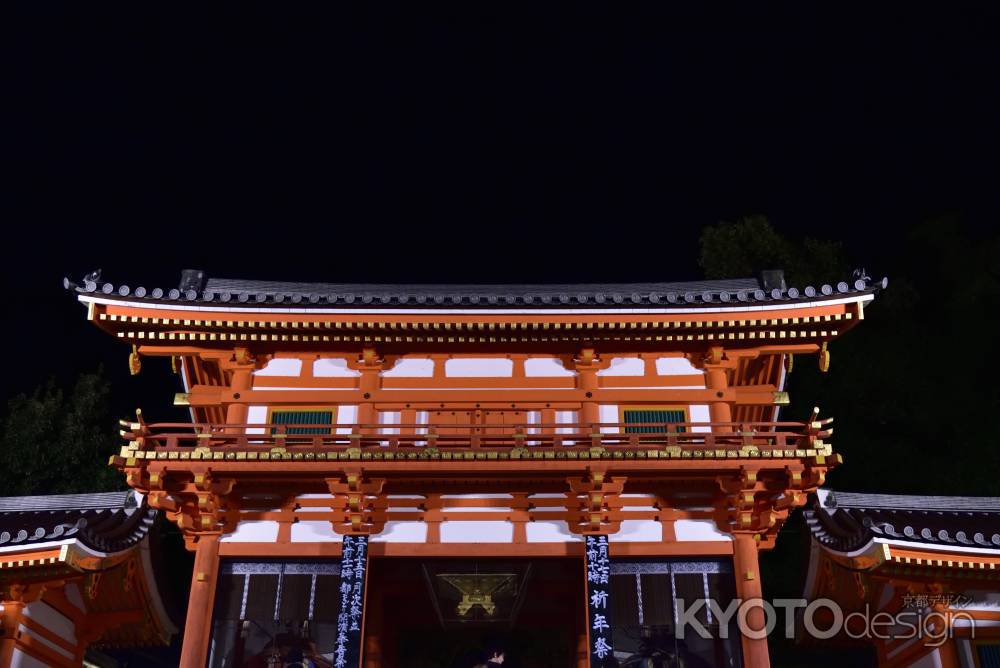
<point x="105" y="522"/>
<point x="198" y="289"/>
<point x="846" y="521"/>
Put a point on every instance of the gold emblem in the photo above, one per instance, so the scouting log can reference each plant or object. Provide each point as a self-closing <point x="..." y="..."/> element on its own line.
<point x="478" y="589"/>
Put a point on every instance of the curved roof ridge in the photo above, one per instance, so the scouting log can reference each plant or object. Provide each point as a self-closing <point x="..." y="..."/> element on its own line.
<point x="235" y="285"/>
<point x="731" y="293"/>
<point x="845" y="521"/>
<point x="52" y="502"/>
<point x="103" y="521"/>
<point x="863" y="500"/>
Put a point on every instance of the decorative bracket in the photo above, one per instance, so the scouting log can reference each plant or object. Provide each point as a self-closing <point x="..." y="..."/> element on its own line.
<point x="204" y="506"/>
<point x="362" y="502"/>
<point x="599" y="512"/>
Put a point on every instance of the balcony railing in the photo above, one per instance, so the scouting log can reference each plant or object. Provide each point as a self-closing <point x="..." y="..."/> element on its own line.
<point x="416" y="438"/>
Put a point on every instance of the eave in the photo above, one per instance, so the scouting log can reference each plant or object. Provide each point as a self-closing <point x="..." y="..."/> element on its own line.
<point x="798" y="327"/>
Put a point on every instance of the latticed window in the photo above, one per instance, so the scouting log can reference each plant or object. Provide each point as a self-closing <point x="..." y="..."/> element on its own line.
<point x="651" y="417"/>
<point x="324" y="418"/>
<point x="649" y="598"/>
<point x="988" y="655"/>
<point x="267" y="611"/>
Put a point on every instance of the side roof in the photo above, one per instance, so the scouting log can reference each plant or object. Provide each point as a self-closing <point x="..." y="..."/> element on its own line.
<point x="104" y="522"/>
<point x="197" y="288"/>
<point x="847" y="521"/>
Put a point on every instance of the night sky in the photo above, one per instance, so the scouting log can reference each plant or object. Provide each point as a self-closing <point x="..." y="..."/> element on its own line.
<point x="521" y="143"/>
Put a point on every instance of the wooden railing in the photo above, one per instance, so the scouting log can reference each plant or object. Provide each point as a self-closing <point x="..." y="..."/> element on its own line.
<point x="452" y="437"/>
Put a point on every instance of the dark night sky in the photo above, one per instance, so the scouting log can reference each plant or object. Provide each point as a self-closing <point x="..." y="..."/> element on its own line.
<point x="514" y="144"/>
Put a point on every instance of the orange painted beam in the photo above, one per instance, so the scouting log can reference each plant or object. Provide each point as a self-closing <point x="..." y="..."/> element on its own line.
<point x="58" y="600"/>
<point x="473" y="550"/>
<point x="30" y="558"/>
<point x="523" y="382"/>
<point x="418" y="469"/>
<point x="205" y="396"/>
<point x="733" y="316"/>
<point x="41" y="631"/>
<point x="959" y="561"/>
<point x="42" y="652"/>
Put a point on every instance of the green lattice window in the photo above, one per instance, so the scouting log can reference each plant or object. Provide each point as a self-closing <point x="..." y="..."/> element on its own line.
<point x="651" y="415"/>
<point x="324" y="418"/>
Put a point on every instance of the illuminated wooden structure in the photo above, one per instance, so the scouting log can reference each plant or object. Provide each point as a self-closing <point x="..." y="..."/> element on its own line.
<point x="936" y="559"/>
<point x="76" y="573"/>
<point x="475" y="422"/>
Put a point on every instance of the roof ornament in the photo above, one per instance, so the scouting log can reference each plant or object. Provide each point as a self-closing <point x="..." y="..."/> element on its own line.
<point x="192" y="280"/>
<point x="134" y="362"/>
<point x="773" y="279"/>
<point x="88" y="282"/>
<point x="860" y="279"/>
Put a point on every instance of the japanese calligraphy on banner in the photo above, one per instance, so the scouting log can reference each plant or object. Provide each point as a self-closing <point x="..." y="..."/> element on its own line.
<point x="598" y="592"/>
<point x="353" y="568"/>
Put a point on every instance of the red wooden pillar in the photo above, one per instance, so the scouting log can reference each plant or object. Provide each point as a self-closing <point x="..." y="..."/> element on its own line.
<point x="586" y="367"/>
<point x="11" y="621"/>
<point x="948" y="654"/>
<point x="718" y="410"/>
<point x="548" y="417"/>
<point x="369" y="382"/>
<point x="748" y="588"/>
<point x="236" y="413"/>
<point x="582" y="651"/>
<point x="198" y="625"/>
<point x="374" y="622"/>
<point x="590" y="411"/>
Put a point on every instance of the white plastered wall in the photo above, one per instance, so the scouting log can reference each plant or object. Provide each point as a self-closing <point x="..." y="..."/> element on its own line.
<point x="457" y="530"/>
<point x="411" y="367"/>
<point x="21" y="660"/>
<point x="53" y="621"/>
<point x="253" y="531"/>
<point x="699" y="413"/>
<point x="333" y="367"/>
<point x="479" y="367"/>
<point x="545" y="367"/>
<point x="477" y="532"/>
<point x="699" y="530"/>
<point x="676" y="366"/>
<point x="281" y="366"/>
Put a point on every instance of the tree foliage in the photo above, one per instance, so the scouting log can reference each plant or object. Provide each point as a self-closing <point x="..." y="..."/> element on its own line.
<point x="55" y="442"/>
<point x="750" y="245"/>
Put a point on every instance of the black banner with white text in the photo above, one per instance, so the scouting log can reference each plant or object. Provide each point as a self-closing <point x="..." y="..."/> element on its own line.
<point x="598" y="566"/>
<point x="353" y="572"/>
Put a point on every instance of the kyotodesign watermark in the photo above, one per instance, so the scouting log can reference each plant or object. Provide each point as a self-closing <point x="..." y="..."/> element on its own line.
<point x="821" y="619"/>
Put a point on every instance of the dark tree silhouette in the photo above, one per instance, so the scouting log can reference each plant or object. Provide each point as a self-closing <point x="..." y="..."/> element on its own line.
<point x="750" y="245"/>
<point x="54" y="442"/>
